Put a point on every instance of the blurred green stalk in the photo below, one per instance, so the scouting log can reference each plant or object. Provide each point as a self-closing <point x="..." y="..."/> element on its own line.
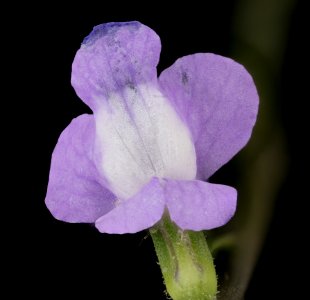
<point x="259" y="41"/>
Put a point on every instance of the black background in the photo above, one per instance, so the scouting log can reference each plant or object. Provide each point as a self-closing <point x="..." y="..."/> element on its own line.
<point x="61" y="259"/>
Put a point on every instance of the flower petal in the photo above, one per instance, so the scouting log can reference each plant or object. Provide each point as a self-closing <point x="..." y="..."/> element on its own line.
<point x="112" y="57"/>
<point x="218" y="100"/>
<point x="75" y="191"/>
<point x="197" y="205"/>
<point x="137" y="213"/>
<point x="140" y="133"/>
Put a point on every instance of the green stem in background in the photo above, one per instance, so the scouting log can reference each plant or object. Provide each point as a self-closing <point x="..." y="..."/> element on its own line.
<point x="185" y="261"/>
<point x="260" y="30"/>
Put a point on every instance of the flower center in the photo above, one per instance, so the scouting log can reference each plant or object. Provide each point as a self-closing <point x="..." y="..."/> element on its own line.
<point x="140" y="136"/>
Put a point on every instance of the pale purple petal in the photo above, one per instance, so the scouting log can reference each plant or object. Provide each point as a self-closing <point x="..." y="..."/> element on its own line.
<point x="218" y="100"/>
<point x="75" y="191"/>
<point x="197" y="205"/>
<point x="112" y="57"/>
<point x="138" y="133"/>
<point x="137" y="213"/>
<point x="192" y="205"/>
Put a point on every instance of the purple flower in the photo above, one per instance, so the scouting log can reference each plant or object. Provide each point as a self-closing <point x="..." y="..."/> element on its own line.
<point x="150" y="141"/>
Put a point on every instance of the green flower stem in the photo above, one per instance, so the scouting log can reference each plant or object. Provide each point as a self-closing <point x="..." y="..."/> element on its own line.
<point x="185" y="261"/>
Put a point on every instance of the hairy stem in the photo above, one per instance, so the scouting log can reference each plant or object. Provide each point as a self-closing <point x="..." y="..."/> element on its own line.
<point x="185" y="261"/>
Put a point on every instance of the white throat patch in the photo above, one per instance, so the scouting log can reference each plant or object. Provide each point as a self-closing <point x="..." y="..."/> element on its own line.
<point x="140" y="136"/>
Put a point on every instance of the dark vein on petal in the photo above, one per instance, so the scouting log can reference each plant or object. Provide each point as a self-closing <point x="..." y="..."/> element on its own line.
<point x="127" y="148"/>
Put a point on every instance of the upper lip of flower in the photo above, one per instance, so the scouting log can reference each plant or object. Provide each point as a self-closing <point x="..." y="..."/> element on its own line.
<point x="182" y="126"/>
